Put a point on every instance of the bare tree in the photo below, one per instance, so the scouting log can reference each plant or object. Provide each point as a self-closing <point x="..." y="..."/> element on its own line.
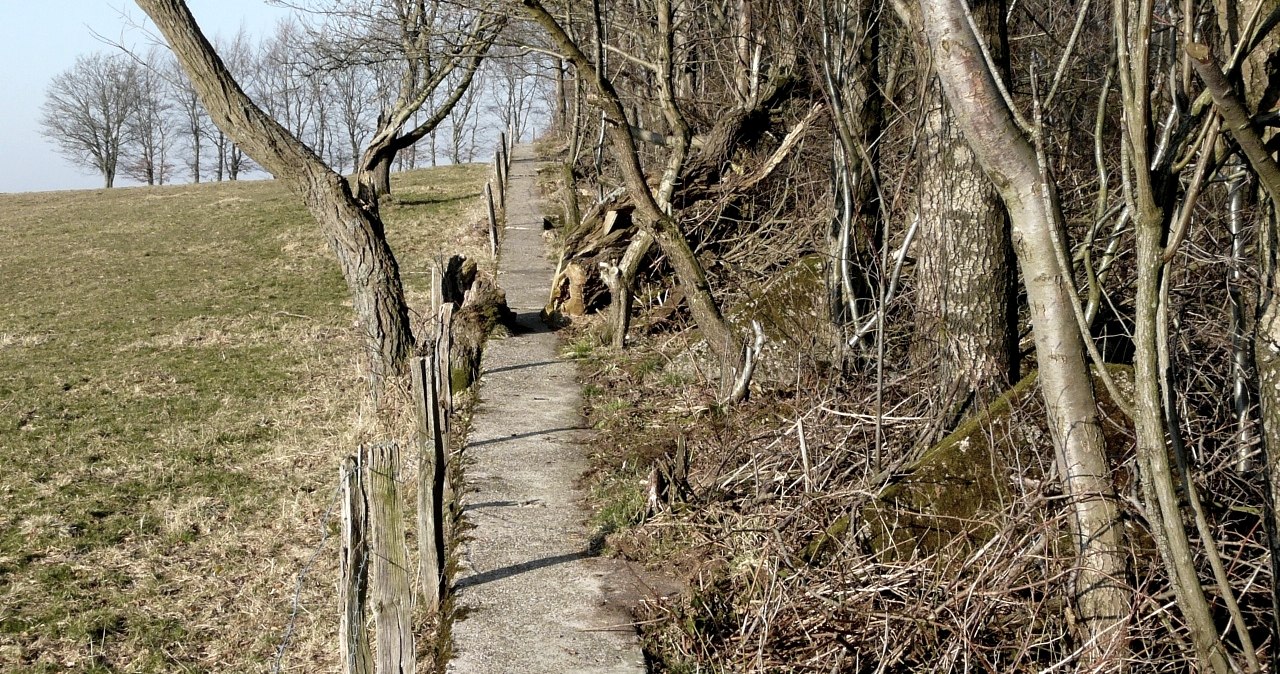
<point x="514" y="90"/>
<point x="193" y="122"/>
<point x="418" y="45"/>
<point x="237" y="55"/>
<point x="464" y="119"/>
<point x="353" y="99"/>
<point x="355" y="233"/>
<point x="850" y="39"/>
<point x="654" y="206"/>
<point x="150" y="128"/>
<point x="87" y="110"/>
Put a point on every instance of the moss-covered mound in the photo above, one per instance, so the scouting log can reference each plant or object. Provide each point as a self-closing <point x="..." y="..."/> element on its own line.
<point x="956" y="493"/>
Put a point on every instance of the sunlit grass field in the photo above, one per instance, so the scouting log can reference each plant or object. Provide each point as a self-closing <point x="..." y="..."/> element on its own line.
<point x="179" y="379"/>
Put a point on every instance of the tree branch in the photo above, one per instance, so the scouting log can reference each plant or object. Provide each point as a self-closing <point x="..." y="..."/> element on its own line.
<point x="1239" y="124"/>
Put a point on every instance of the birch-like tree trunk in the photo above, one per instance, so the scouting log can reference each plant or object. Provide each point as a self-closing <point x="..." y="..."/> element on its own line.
<point x="1102" y="595"/>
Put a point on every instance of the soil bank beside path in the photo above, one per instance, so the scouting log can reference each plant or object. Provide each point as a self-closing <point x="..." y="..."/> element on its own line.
<point x="531" y="597"/>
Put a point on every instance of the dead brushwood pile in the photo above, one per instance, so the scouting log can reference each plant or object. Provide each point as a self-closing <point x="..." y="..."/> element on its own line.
<point x="797" y="555"/>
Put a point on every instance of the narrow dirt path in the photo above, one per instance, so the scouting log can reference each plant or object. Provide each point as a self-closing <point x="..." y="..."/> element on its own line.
<point x="532" y="599"/>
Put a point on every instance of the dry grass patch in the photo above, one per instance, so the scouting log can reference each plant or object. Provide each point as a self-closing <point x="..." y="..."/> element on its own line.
<point x="179" y="379"/>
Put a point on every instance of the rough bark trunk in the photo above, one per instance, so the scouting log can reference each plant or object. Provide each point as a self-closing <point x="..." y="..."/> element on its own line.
<point x="964" y="277"/>
<point x="354" y="233"/>
<point x="1102" y="595"/>
<point x="375" y="182"/>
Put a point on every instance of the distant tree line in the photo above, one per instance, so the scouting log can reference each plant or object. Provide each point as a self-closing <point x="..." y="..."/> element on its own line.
<point x="138" y="115"/>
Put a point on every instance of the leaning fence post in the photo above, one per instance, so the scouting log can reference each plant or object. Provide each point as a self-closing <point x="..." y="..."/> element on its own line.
<point x="353" y="566"/>
<point x="430" y="512"/>
<point x="493" y="220"/>
<point x="443" y="369"/>
<point x="501" y="180"/>
<point x="444" y="347"/>
<point x="393" y="591"/>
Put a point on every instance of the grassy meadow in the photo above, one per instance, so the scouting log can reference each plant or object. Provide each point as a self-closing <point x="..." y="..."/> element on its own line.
<point x="179" y="379"/>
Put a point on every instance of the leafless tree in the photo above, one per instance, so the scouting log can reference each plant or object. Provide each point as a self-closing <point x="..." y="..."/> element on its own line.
<point x="355" y="232"/>
<point x="151" y="128"/>
<point x="464" y="122"/>
<point x="87" y="111"/>
<point x="415" y="47"/>
<point x="192" y="122"/>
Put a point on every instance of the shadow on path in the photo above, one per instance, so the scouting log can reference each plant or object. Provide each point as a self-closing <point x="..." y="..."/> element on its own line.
<point x="517" y="569"/>
<point x="530" y="434"/>
<point x="530" y="323"/>
<point x="522" y="366"/>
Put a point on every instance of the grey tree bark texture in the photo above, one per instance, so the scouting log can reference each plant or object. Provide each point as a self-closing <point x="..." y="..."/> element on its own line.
<point x="1102" y="595"/>
<point x="964" y="310"/>
<point x="354" y="233"/>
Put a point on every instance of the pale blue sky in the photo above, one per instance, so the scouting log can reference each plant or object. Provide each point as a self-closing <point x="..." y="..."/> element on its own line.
<point x="42" y="38"/>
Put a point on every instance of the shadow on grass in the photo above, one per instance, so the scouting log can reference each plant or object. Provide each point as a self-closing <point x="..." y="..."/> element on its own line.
<point x="428" y="201"/>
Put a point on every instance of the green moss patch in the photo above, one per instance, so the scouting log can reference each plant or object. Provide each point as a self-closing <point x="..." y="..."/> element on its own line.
<point x="958" y="490"/>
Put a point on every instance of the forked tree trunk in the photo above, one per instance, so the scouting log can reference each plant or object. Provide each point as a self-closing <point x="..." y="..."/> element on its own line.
<point x="1150" y="206"/>
<point x="354" y="233"/>
<point x="1102" y="595"/>
<point x="964" y="259"/>
<point x="375" y="182"/>
<point x="392" y="135"/>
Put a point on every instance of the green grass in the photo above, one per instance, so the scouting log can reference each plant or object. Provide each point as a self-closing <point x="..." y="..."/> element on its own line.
<point x="178" y="380"/>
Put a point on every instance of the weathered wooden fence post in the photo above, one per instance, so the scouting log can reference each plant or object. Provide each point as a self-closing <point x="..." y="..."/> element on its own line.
<point x="444" y="349"/>
<point x="444" y="405"/>
<point x="431" y="549"/>
<point x="353" y="566"/>
<point x="500" y="171"/>
<point x="493" y="220"/>
<point x="392" y="588"/>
